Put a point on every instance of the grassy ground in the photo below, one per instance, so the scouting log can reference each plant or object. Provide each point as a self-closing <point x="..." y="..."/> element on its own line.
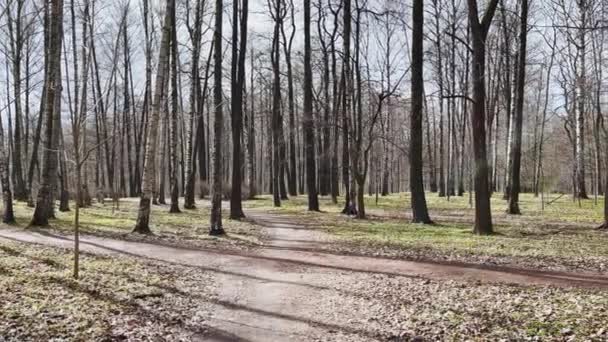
<point x="137" y="299"/>
<point x="562" y="235"/>
<point x="118" y="299"/>
<point x="188" y="227"/>
<point x="123" y="298"/>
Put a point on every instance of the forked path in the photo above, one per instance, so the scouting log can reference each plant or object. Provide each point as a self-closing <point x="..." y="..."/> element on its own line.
<point x="290" y="289"/>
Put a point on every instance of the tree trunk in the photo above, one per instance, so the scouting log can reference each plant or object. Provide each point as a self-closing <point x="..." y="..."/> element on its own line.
<point x="195" y="115"/>
<point x="277" y="138"/>
<point x="521" y="85"/>
<point x="307" y="121"/>
<point x="292" y="181"/>
<point x="581" y="84"/>
<point x="251" y="138"/>
<point x="346" y="88"/>
<point x="173" y="128"/>
<point x="149" y="178"/>
<point x="16" y="44"/>
<point x="218" y="126"/>
<point x="8" y="215"/>
<point x="419" y="209"/>
<point x="479" y="32"/>
<point x="238" y="83"/>
<point x="44" y="202"/>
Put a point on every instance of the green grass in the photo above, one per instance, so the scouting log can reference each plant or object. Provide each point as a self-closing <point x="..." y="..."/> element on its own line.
<point x="557" y="207"/>
<point x="105" y="220"/>
<point x="561" y="232"/>
<point x="564" y="231"/>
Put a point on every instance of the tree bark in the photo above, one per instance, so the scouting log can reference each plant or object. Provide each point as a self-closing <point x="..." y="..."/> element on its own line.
<point x="349" y="208"/>
<point x="307" y="121"/>
<point x="142" y="225"/>
<point x="195" y="115"/>
<point x="16" y="48"/>
<point x="8" y="215"/>
<point x="479" y="32"/>
<point x="420" y="212"/>
<point x="238" y="82"/>
<point x="216" y="227"/>
<point x="173" y="127"/>
<point x="519" y="108"/>
<point x="44" y="202"/>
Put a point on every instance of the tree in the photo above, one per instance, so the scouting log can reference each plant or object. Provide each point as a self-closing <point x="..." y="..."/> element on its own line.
<point x="519" y="108"/>
<point x="81" y="153"/>
<point x="17" y="43"/>
<point x="583" y="7"/>
<point x="8" y="216"/>
<point x="250" y="124"/>
<point x="218" y="126"/>
<point x="278" y="140"/>
<point x="419" y="209"/>
<point x="142" y="226"/>
<point x="345" y="84"/>
<point x="287" y="47"/>
<point x="195" y="99"/>
<point x="307" y="122"/>
<point x="173" y="128"/>
<point x="52" y="99"/>
<point x="440" y="83"/>
<point x="479" y="34"/>
<point x="237" y="86"/>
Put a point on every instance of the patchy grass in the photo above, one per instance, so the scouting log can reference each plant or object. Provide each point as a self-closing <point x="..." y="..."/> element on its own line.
<point x="557" y="207"/>
<point x="562" y="235"/>
<point x="188" y="227"/>
<point x="119" y="298"/>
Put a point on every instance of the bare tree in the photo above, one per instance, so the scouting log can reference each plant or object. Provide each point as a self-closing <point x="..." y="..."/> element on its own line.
<point x="142" y="225"/>
<point x="8" y="215"/>
<point x="216" y="227"/>
<point x="479" y="33"/>
<point x="307" y="122"/>
<point x="44" y="202"/>
<point x="239" y="53"/>
<point x="173" y="127"/>
<point x="519" y="108"/>
<point x="419" y="209"/>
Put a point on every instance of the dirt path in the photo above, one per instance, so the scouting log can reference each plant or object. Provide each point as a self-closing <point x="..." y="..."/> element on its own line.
<point x="286" y="290"/>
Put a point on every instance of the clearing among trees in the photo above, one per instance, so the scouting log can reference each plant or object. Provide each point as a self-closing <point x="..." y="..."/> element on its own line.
<point x="323" y="170"/>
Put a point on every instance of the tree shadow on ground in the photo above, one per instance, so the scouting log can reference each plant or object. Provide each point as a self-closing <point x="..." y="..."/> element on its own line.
<point x="562" y="279"/>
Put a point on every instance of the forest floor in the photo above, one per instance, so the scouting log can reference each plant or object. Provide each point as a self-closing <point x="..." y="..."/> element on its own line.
<point x="284" y="274"/>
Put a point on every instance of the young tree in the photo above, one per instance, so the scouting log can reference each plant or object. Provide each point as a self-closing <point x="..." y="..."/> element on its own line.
<point x="142" y="225"/>
<point x="419" y="209"/>
<point x="80" y="151"/>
